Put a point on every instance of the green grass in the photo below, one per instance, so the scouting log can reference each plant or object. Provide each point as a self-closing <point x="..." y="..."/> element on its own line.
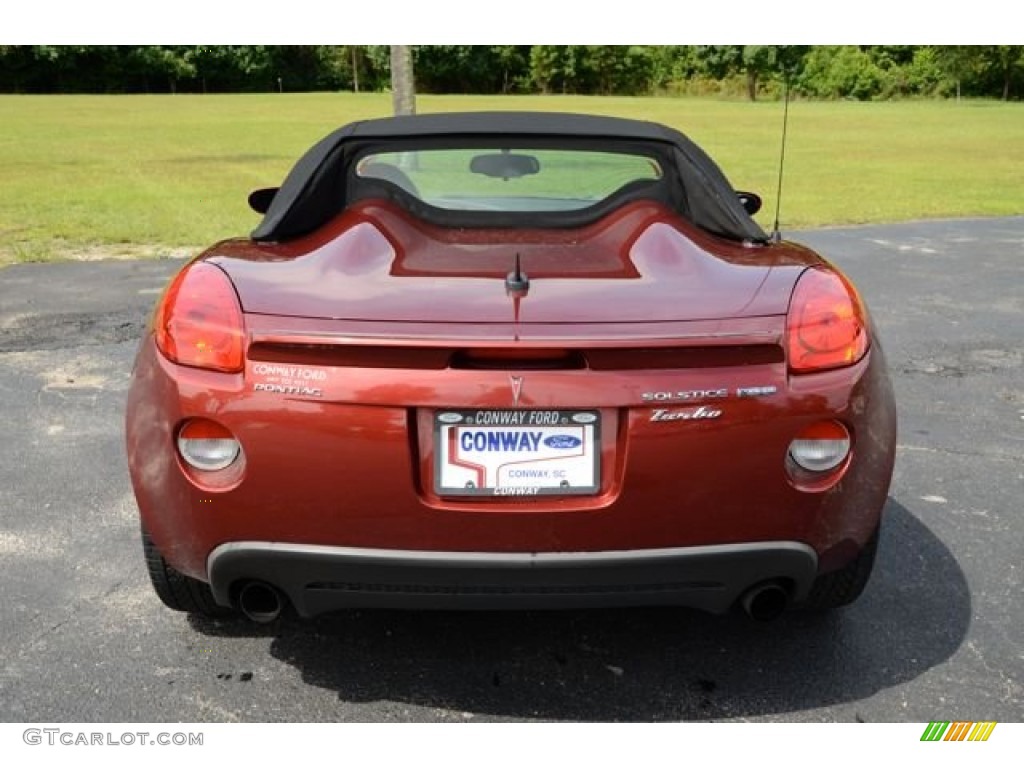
<point x="145" y="173"/>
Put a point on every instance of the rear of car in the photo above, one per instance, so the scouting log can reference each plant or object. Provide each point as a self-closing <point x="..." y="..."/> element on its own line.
<point x="509" y="375"/>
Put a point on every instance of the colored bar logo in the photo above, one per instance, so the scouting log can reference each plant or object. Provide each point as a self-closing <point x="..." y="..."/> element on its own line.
<point x="958" y="731"/>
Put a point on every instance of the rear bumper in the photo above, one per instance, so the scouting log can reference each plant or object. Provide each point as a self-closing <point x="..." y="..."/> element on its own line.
<point x="317" y="579"/>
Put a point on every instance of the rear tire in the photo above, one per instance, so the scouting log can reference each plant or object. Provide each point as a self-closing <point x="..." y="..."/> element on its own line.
<point x="842" y="587"/>
<point x="178" y="591"/>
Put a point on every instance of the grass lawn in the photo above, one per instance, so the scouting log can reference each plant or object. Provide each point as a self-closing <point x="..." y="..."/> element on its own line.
<point x="145" y="174"/>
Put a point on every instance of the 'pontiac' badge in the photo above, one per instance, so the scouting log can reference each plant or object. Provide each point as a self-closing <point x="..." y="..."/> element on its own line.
<point x="517" y="388"/>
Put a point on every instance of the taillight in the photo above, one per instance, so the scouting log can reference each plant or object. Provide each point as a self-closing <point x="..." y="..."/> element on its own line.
<point x="199" y="321"/>
<point x="207" y="445"/>
<point x="825" y="327"/>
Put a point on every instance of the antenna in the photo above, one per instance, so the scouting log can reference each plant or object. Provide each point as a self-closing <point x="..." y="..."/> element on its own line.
<point x="517" y="283"/>
<point x="776" y="235"/>
<point x="517" y="286"/>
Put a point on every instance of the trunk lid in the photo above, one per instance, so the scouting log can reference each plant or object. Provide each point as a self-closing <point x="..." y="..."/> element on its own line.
<point x="640" y="264"/>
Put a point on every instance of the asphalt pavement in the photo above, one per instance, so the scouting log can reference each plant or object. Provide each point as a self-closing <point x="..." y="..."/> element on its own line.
<point x="937" y="635"/>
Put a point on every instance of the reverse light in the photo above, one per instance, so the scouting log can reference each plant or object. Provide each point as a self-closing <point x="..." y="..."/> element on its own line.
<point x="199" y="320"/>
<point x="207" y="445"/>
<point x="820" y="447"/>
<point x="825" y="327"/>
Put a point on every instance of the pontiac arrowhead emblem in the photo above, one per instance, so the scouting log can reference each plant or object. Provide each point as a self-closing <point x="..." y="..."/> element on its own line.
<point x="517" y="389"/>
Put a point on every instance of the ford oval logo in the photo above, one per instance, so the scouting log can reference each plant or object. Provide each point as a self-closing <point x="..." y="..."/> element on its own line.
<point x="563" y="442"/>
<point x="584" y="418"/>
<point x="449" y="418"/>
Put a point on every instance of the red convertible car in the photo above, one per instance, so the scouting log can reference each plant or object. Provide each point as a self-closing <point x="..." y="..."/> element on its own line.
<point x="509" y="360"/>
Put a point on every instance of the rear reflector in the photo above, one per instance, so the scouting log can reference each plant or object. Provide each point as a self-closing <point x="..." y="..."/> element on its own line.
<point x="207" y="445"/>
<point x="820" y="447"/>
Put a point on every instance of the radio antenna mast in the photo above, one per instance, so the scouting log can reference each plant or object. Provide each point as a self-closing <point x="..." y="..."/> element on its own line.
<point x="776" y="235"/>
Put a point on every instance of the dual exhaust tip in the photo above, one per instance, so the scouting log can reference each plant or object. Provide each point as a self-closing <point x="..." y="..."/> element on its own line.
<point x="765" y="602"/>
<point x="260" y="602"/>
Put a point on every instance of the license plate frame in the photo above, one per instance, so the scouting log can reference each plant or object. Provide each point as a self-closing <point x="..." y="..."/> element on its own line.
<point x="520" y="453"/>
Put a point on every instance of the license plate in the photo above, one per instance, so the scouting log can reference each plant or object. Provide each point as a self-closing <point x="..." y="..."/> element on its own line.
<point x="517" y="453"/>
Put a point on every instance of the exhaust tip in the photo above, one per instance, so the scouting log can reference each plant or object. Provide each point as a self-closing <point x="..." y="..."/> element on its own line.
<point x="765" y="602"/>
<point x="260" y="602"/>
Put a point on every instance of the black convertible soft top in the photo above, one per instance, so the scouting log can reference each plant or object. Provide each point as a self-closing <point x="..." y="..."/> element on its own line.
<point x="314" y="191"/>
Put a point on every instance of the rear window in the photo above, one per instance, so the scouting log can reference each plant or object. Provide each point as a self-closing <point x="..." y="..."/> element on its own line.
<point x="510" y="179"/>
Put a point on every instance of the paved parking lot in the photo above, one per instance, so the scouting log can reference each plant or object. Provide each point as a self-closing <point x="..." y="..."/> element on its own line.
<point x="936" y="636"/>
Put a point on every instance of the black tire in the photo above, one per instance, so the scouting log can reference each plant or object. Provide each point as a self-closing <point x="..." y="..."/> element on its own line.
<point x="842" y="587"/>
<point x="177" y="591"/>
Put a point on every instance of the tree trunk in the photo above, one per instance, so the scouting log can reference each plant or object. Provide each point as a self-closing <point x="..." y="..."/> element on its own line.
<point x="355" y="69"/>
<point x="752" y="84"/>
<point x="403" y="86"/>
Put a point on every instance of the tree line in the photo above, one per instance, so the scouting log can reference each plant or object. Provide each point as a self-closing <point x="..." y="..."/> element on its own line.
<point x="745" y="71"/>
